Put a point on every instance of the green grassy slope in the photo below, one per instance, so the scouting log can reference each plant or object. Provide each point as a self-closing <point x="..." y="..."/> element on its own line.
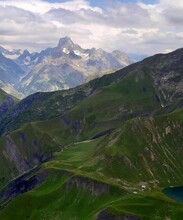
<point x="55" y="199"/>
<point x="140" y="151"/>
<point x="144" y="149"/>
<point x="93" y="115"/>
<point x="107" y="110"/>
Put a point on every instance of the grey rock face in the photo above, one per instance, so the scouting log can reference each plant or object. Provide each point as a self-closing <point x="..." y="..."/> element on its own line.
<point x="8" y="88"/>
<point x="104" y="215"/>
<point x="87" y="184"/>
<point x="166" y="73"/>
<point x="22" y="184"/>
<point x="13" y="154"/>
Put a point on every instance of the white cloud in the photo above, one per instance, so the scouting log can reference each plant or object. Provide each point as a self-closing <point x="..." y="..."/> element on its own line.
<point x="131" y="27"/>
<point x="41" y="7"/>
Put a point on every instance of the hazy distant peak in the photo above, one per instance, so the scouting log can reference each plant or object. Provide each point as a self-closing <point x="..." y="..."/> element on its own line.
<point x="65" y="42"/>
<point x="63" y="66"/>
<point x="26" y="53"/>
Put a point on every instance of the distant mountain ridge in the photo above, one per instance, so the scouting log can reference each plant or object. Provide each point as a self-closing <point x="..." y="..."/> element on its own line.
<point x="64" y="66"/>
<point x="11" y="54"/>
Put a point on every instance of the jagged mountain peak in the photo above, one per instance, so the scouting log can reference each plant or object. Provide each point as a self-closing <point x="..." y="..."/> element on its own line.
<point x="63" y="66"/>
<point x="11" y="54"/>
<point x="66" y="42"/>
<point x="24" y="54"/>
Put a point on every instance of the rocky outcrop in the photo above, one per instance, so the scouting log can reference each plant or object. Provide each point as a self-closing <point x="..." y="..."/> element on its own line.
<point x="13" y="154"/>
<point x="23" y="150"/>
<point x="86" y="184"/>
<point x="104" y="215"/>
<point x="22" y="184"/>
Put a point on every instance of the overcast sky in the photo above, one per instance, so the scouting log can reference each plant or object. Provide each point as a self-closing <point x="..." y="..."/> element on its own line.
<point x="139" y="27"/>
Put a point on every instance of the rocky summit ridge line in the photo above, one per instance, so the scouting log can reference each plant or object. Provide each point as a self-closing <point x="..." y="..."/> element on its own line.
<point x="64" y="66"/>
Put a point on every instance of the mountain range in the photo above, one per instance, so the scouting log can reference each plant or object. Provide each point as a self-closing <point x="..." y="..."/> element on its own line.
<point x="65" y="66"/>
<point x="107" y="149"/>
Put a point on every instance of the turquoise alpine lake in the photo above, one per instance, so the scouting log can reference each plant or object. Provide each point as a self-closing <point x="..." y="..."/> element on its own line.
<point x="175" y="193"/>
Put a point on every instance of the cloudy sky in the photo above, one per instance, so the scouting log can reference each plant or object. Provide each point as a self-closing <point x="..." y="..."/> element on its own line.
<point x="136" y="27"/>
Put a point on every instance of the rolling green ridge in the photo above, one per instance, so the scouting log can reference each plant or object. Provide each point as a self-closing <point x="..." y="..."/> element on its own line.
<point x="93" y="115"/>
<point x="139" y="150"/>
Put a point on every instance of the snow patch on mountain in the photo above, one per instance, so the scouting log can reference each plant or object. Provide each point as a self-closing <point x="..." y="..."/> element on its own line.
<point x="11" y="56"/>
<point x="79" y="53"/>
<point x="65" y="50"/>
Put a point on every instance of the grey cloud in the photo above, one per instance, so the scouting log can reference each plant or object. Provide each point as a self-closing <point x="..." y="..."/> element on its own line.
<point x="128" y="15"/>
<point x="174" y="16"/>
<point x="129" y="31"/>
<point x="122" y="15"/>
<point x="84" y="16"/>
<point x="13" y="13"/>
<point x="20" y="28"/>
<point x="63" y="15"/>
